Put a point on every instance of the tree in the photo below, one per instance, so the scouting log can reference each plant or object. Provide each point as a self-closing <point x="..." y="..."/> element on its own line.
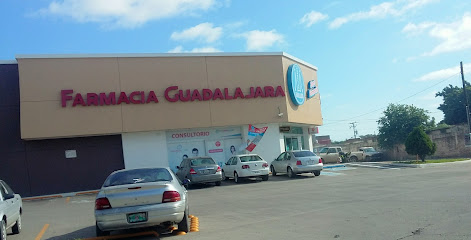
<point x="398" y="121"/>
<point x="453" y="106"/>
<point x="419" y="143"/>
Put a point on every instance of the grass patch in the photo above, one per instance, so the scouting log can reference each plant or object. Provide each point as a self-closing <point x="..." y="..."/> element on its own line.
<point x="436" y="160"/>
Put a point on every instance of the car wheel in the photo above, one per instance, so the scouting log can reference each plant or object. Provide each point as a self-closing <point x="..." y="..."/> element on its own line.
<point x="184" y="225"/>
<point x="224" y="178"/>
<point x="236" y="178"/>
<point x="3" y="230"/>
<point x="317" y="173"/>
<point x="99" y="232"/>
<point x="273" y="172"/>
<point x="290" y="173"/>
<point x="17" y="227"/>
<point x="353" y="159"/>
<point x="218" y="183"/>
<point x="265" y="178"/>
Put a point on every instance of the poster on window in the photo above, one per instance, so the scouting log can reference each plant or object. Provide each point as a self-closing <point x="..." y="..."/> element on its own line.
<point x="179" y="151"/>
<point x="215" y="149"/>
<point x="254" y="136"/>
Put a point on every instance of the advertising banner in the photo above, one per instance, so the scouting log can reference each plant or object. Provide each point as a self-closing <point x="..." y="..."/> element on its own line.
<point x="254" y="136"/>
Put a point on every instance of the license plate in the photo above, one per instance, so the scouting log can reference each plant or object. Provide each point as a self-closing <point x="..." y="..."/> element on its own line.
<point x="310" y="162"/>
<point x="256" y="172"/>
<point x="137" y="217"/>
<point x="205" y="171"/>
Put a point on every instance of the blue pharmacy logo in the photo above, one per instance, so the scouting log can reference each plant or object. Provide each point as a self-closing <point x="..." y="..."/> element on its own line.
<point x="296" y="84"/>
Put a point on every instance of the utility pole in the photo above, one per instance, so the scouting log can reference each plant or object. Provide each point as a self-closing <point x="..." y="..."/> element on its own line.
<point x="466" y="98"/>
<point x="355" y="132"/>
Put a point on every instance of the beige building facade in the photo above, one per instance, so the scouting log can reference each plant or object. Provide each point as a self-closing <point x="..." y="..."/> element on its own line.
<point x="166" y="105"/>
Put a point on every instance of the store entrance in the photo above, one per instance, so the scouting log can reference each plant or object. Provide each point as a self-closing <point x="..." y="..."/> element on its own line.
<point x="292" y="143"/>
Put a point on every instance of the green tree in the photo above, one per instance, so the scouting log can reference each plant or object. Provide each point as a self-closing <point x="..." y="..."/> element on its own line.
<point x="419" y="143"/>
<point x="398" y="121"/>
<point x="453" y="106"/>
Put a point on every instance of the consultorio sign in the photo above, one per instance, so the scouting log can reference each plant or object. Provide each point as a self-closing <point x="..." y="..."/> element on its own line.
<point x="69" y="98"/>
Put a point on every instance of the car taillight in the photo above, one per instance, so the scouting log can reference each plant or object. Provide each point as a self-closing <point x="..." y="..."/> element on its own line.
<point x="245" y="166"/>
<point x="265" y="165"/>
<point x="299" y="163"/>
<point x="320" y="160"/>
<point x="102" y="203"/>
<point x="192" y="171"/>
<point x="219" y="169"/>
<point x="171" y="196"/>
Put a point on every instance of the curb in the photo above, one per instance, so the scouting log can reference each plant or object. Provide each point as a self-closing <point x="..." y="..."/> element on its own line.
<point x="61" y="195"/>
<point x="333" y="166"/>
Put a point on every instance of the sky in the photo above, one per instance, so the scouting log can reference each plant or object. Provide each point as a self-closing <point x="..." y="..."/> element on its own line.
<point x="368" y="53"/>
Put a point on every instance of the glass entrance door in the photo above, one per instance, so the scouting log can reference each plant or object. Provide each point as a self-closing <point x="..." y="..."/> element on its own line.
<point x="291" y="143"/>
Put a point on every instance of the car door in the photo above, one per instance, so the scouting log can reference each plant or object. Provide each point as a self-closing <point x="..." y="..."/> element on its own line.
<point x="11" y="204"/>
<point x="287" y="161"/>
<point x="278" y="161"/>
<point x="332" y="155"/>
<point x="228" y="168"/>
<point x="180" y="172"/>
<point x="234" y="163"/>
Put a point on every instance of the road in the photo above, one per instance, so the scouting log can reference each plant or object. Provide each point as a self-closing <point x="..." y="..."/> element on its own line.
<point x="344" y="203"/>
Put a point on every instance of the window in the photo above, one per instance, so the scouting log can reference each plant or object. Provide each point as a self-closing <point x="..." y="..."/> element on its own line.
<point x="138" y="176"/>
<point x="234" y="161"/>
<point x="229" y="161"/>
<point x="304" y="154"/>
<point x="281" y="157"/>
<point x="7" y="188"/>
<point x="250" y="158"/>
<point x="331" y="150"/>
<point x="288" y="156"/>
<point x="324" y="150"/>
<point x="202" y="161"/>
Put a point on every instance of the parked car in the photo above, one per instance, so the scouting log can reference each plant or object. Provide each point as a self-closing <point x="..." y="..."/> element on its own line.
<point x="366" y="154"/>
<point x="295" y="162"/>
<point x="331" y="154"/>
<point x="11" y="208"/>
<point x="135" y="198"/>
<point x="245" y="166"/>
<point x="200" y="170"/>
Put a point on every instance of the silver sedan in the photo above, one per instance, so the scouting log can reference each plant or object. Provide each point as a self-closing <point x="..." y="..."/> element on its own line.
<point x="295" y="162"/>
<point x="138" y="198"/>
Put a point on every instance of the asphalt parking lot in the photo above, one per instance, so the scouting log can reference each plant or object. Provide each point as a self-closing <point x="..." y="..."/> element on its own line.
<point x="342" y="203"/>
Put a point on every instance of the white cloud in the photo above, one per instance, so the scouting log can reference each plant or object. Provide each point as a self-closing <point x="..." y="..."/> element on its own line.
<point x="179" y="49"/>
<point x="442" y="74"/>
<point x="394" y="8"/>
<point x="414" y="29"/>
<point x="204" y="32"/>
<point x="259" y="40"/>
<point x="312" y="17"/>
<point x="454" y="36"/>
<point x="124" y="13"/>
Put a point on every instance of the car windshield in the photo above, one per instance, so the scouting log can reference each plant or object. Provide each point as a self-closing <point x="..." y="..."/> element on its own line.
<point x="138" y="176"/>
<point x="202" y="161"/>
<point x="304" y="154"/>
<point x="369" y="150"/>
<point x="250" y="158"/>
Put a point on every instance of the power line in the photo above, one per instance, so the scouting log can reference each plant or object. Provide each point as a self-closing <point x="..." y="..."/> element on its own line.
<point x="378" y="109"/>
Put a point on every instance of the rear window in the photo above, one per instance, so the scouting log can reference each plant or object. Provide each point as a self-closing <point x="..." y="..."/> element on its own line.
<point x="202" y="161"/>
<point x="250" y="158"/>
<point x="138" y="176"/>
<point x="304" y="154"/>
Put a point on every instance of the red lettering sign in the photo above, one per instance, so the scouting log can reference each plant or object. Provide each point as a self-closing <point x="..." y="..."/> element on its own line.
<point x="172" y="94"/>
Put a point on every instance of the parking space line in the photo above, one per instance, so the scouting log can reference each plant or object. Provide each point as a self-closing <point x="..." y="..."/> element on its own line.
<point x="67" y="200"/>
<point x="43" y="230"/>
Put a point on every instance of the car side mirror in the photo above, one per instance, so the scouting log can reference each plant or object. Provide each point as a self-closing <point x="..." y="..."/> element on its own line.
<point x="186" y="181"/>
<point x="9" y="196"/>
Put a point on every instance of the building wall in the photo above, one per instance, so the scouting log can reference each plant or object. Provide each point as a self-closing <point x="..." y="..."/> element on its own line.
<point x="145" y="149"/>
<point x="42" y="79"/>
<point x="272" y="143"/>
<point x="40" y="167"/>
